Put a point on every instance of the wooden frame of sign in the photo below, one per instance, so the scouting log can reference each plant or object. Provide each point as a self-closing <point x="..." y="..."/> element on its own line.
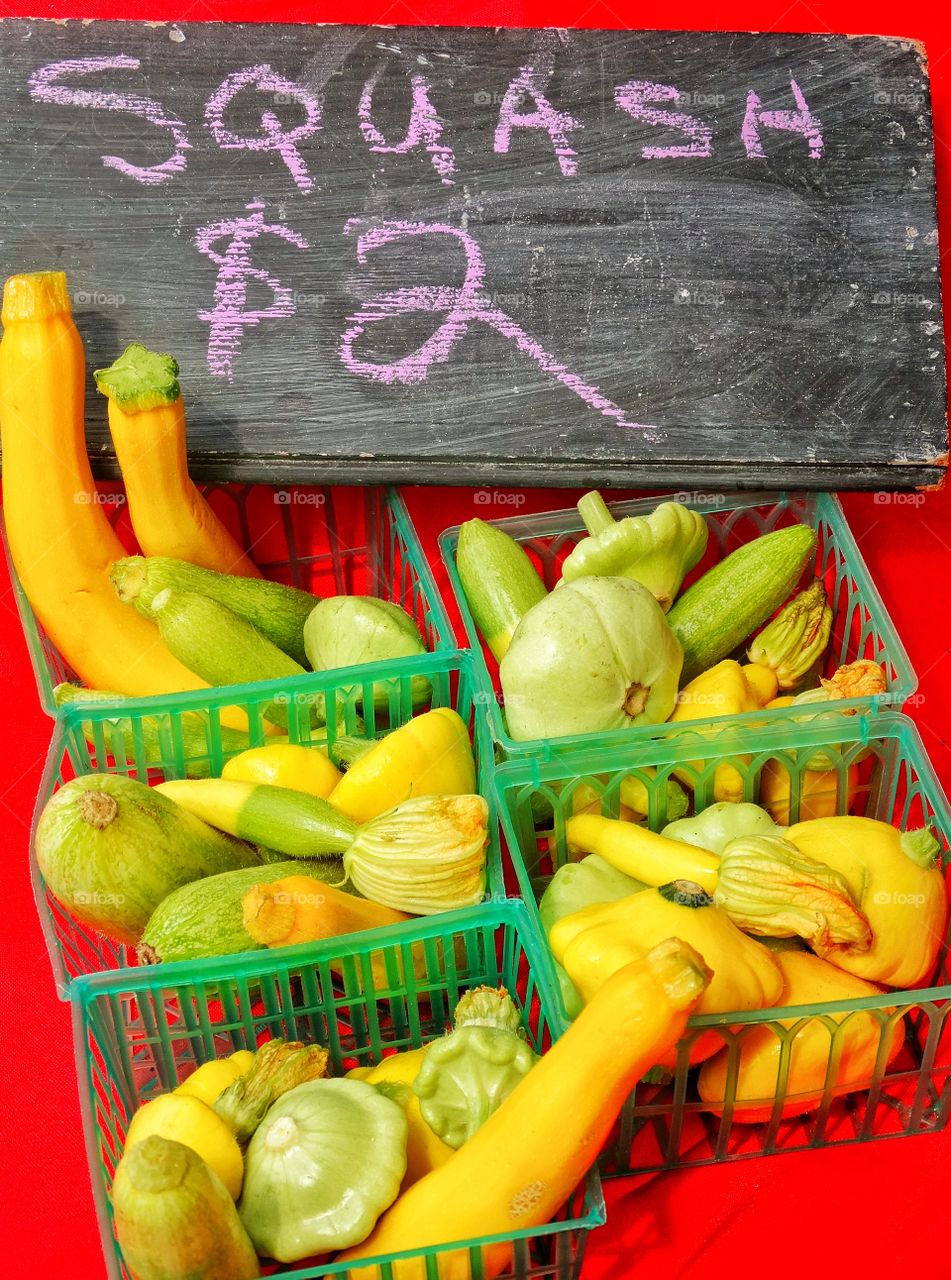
<point x="458" y="255"/>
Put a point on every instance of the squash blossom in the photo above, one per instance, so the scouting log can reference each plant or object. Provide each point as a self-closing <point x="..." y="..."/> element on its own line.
<point x="896" y="881"/>
<point x="796" y="638"/>
<point x="763" y="882"/>
<point x="424" y="856"/>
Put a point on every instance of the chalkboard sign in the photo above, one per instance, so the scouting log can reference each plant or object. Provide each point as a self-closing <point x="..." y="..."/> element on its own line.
<point x="551" y="257"/>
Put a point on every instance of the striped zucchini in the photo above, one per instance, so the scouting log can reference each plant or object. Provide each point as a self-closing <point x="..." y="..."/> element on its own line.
<point x="277" y="611"/>
<point x="726" y="605"/>
<point x="223" y="648"/>
<point x="499" y="581"/>
<point x="292" y="822"/>
<point x="208" y="919"/>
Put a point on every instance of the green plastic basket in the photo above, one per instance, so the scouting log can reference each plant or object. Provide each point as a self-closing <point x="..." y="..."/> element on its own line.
<point x="141" y="1033"/>
<point x="331" y="541"/>
<point x="664" y="1126"/>
<point x="861" y="626"/>
<point x="145" y="739"/>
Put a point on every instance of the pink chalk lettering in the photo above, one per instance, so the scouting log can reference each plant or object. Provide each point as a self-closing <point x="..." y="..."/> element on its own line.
<point x="528" y="83"/>
<point x="425" y="127"/>
<point x="274" y="136"/>
<point x="635" y="97"/>
<point x="462" y="307"/>
<point x="45" y="87"/>
<point x="801" y="121"/>
<point x="228" y="319"/>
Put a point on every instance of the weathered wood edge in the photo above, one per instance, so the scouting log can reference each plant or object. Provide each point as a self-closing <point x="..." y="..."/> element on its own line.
<point x="489" y="472"/>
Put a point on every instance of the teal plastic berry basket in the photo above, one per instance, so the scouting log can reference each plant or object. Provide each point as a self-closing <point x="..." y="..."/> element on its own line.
<point x="331" y="541"/>
<point x="156" y="739"/>
<point x="861" y="626"/>
<point x="141" y="1033"/>
<point x="878" y="768"/>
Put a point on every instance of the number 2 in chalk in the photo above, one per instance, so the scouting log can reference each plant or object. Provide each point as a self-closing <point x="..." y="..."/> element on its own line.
<point x="461" y="308"/>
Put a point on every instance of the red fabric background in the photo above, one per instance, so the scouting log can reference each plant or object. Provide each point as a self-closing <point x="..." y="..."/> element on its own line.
<point x="855" y="1210"/>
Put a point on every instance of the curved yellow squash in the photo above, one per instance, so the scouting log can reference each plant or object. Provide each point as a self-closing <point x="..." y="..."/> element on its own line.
<point x="60" y="540"/>
<point x="169" y="515"/>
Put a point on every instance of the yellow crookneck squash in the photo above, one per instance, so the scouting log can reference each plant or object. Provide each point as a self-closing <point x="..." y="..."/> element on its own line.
<point x="594" y="943"/>
<point x="897" y="881"/>
<point x="835" y="1052"/>
<point x="60" y="539"/>
<point x="528" y="1157"/>
<point x="147" y="424"/>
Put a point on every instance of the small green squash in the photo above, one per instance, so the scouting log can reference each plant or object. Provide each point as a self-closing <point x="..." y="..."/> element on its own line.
<point x="110" y="849"/>
<point x="175" y="1220"/>
<point x="325" y="1162"/>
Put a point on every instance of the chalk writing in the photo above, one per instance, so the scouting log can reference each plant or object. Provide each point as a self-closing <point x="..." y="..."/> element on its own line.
<point x="558" y="124"/>
<point x="801" y="121"/>
<point x="425" y="126"/>
<point x="45" y="87"/>
<point x="274" y="136"/>
<point x="462" y="307"/>
<point x="228" y="318"/>
<point x="634" y="98"/>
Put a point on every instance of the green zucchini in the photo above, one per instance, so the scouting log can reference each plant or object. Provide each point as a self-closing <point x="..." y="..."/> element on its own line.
<point x="499" y="581"/>
<point x="277" y="611"/>
<point x="205" y="918"/>
<point x="223" y="648"/>
<point x="726" y="605"/>
<point x="124" y="737"/>
<point x="292" y="822"/>
<point x="111" y="849"/>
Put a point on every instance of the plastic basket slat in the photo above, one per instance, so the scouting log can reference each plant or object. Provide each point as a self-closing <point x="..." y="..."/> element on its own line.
<point x="168" y="1020"/>
<point x="387" y="540"/>
<point x="665" y="1127"/>
<point x="862" y="626"/>
<point x="88" y="739"/>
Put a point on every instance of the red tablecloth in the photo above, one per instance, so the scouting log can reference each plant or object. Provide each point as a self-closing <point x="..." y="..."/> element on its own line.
<point x="857" y="1210"/>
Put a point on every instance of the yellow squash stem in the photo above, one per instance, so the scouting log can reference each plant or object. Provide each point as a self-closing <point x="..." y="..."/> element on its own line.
<point x="147" y="423"/>
<point x="528" y="1157"/>
<point x="61" y="542"/>
<point x="641" y="853"/>
<point x="301" y="909"/>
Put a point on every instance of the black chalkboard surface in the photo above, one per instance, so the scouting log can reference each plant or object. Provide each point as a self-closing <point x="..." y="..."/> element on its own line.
<point x="551" y="257"/>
